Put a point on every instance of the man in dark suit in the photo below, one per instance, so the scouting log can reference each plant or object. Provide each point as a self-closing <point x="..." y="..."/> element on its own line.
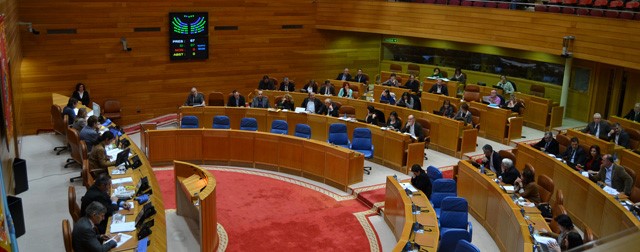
<point x="619" y="136"/>
<point x="311" y="104"/>
<point x="548" y="144"/>
<point x="260" y="101"/>
<point x="287" y="85"/>
<point x="413" y="128"/>
<point x="84" y="235"/>
<point x="574" y="154"/>
<point x="420" y="180"/>
<point x="492" y="160"/>
<point x="344" y="76"/>
<point x="598" y="127"/>
<point x="194" y="98"/>
<point x="439" y="88"/>
<point x="361" y="77"/>
<point x="99" y="192"/>
<point x="634" y="114"/>
<point x="614" y="175"/>
<point x="509" y="172"/>
<point x="236" y="100"/>
<point x="412" y="84"/>
<point x="327" y="89"/>
<point x="266" y="83"/>
<point x="330" y="108"/>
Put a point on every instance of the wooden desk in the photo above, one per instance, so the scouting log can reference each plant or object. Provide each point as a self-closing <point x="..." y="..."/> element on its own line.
<point x="390" y="147"/>
<point x="452" y="86"/>
<point x="606" y="147"/>
<point x="401" y="77"/>
<point x="398" y="215"/>
<point x="398" y="91"/>
<point x="316" y="160"/>
<point x="447" y="135"/>
<point x="498" y="124"/>
<point x="337" y="84"/>
<point x="631" y="160"/>
<point x="494" y="209"/>
<point x="540" y="113"/>
<point x="196" y="200"/>
<point x="587" y="204"/>
<point x="433" y="102"/>
<point x="486" y="90"/>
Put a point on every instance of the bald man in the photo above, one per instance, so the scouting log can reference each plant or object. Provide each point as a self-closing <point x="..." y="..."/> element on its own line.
<point x="413" y="128"/>
<point x="634" y="114"/>
<point x="194" y="98"/>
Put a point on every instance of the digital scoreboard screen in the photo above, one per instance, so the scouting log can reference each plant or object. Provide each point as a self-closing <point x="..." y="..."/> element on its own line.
<point x="188" y="35"/>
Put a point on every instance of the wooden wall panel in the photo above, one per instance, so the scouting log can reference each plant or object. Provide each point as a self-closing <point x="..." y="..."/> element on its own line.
<point x="146" y="82"/>
<point x="597" y="39"/>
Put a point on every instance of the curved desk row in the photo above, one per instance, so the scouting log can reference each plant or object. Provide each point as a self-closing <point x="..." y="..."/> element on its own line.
<point x="392" y="149"/>
<point x="496" y="211"/>
<point x="400" y="218"/>
<point x="196" y="200"/>
<point x="587" y="204"/>
<point x="447" y="135"/>
<point x="320" y="161"/>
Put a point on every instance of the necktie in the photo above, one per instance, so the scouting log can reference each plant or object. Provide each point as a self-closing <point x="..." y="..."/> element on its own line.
<point x="573" y="156"/>
<point x="546" y="145"/>
<point x="326" y="91"/>
<point x="597" y="129"/>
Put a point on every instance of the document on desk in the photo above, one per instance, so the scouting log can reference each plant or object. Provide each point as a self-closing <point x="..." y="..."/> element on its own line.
<point x="122" y="180"/>
<point x="544" y="239"/>
<point x="123" y="238"/>
<point x="113" y="153"/>
<point x="123" y="227"/>
<point x="610" y="190"/>
<point x="408" y="186"/>
<point x="509" y="188"/>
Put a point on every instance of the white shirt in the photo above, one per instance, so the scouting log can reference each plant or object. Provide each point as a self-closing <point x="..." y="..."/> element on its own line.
<point x="412" y="130"/>
<point x="311" y="106"/>
<point x="607" y="177"/>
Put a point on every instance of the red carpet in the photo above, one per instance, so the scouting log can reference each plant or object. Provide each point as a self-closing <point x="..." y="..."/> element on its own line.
<point x="261" y="213"/>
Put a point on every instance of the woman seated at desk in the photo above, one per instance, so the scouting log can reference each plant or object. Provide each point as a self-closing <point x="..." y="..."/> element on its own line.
<point x="526" y="186"/>
<point x="371" y="118"/>
<point x="386" y="97"/>
<point x="394" y="122"/>
<point x="406" y="101"/>
<point x="436" y="73"/>
<point x="80" y="120"/>
<point x="566" y="228"/>
<point x="346" y="91"/>
<point x="513" y="104"/>
<point x="99" y="161"/>
<point x="593" y="161"/>
<point x="446" y="110"/>
<point x="286" y="103"/>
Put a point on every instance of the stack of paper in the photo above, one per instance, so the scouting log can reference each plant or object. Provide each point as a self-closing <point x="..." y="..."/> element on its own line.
<point x="123" y="227"/>
<point x="408" y="186"/>
<point x="122" y="180"/>
<point x="610" y="190"/>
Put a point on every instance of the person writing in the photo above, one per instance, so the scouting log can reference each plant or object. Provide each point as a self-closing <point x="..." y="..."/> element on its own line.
<point x="286" y="103"/>
<point x="386" y="97"/>
<point x="260" y="101"/>
<point x="346" y="91"/>
<point x="100" y="192"/>
<point x="81" y="94"/>
<point x="84" y="235"/>
<point x="420" y="180"/>
<point x="194" y="98"/>
<point x="593" y="161"/>
<point x="526" y="186"/>
<point x="69" y="110"/>
<point x="98" y="158"/>
<point x="331" y="109"/>
<point x="446" y="110"/>
<point x="394" y="122"/>
<point x="413" y="128"/>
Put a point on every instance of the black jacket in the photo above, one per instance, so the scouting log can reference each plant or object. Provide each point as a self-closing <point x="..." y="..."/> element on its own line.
<point x="85" y="238"/>
<point x="232" y="101"/>
<point x="422" y="183"/>
<point x="553" y="148"/>
<point x="94" y="194"/>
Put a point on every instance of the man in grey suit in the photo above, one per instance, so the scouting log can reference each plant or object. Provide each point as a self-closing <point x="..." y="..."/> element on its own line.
<point x="598" y="127"/>
<point x="260" y="101"/>
<point x="614" y="175"/>
<point x="85" y="236"/>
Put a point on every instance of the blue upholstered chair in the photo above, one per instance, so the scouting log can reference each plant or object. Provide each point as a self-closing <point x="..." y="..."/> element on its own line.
<point x="433" y="173"/>
<point x="454" y="212"/>
<point x="189" y="122"/>
<point x="303" y="130"/>
<point x="279" y="127"/>
<point x="338" y="135"/>
<point x="362" y="143"/>
<point x="221" y="122"/>
<point x="249" y="123"/>
<point x="465" y="246"/>
<point x="441" y="189"/>
<point x="449" y="239"/>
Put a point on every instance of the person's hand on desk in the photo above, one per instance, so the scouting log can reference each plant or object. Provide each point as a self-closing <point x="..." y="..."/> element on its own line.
<point x="107" y="238"/>
<point x="126" y="205"/>
<point x="553" y="246"/>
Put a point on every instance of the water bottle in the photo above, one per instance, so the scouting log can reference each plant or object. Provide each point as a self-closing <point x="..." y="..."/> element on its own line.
<point x="482" y="169"/>
<point x="345" y="115"/>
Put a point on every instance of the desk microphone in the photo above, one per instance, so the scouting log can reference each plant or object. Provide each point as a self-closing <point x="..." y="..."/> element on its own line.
<point x="528" y="219"/>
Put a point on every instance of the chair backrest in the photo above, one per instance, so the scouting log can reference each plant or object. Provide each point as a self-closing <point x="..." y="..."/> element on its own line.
<point x="73" y="138"/>
<point x="216" y="99"/>
<point x="635" y="194"/>
<point x="279" y="127"/>
<point x="59" y="122"/>
<point x="450" y="237"/>
<point x="303" y="130"/>
<point x="87" y="177"/>
<point x="471" y="93"/>
<point x="66" y="236"/>
<point x="634" y="138"/>
<point x="381" y="118"/>
<point x="441" y="189"/>
<point x="563" y="142"/>
<point x="426" y="126"/>
<point x="465" y="246"/>
<point x="361" y="139"/>
<point x="559" y="198"/>
<point x="537" y="90"/>
<point x="249" y="123"/>
<point x="111" y="106"/>
<point x="553" y="225"/>
<point x="189" y="122"/>
<point x="631" y="173"/>
<point x="338" y="134"/>
<point x="348" y="110"/>
<point x="507" y="154"/>
<point x="395" y="67"/>
<point x="454" y="212"/>
<point x="74" y="209"/>
<point x="413" y="69"/>
<point x="588" y="235"/>
<point x="221" y="122"/>
<point x="545" y="187"/>
<point x="433" y="173"/>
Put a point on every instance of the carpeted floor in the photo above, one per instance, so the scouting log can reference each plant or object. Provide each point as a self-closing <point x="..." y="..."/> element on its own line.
<point x="297" y="217"/>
